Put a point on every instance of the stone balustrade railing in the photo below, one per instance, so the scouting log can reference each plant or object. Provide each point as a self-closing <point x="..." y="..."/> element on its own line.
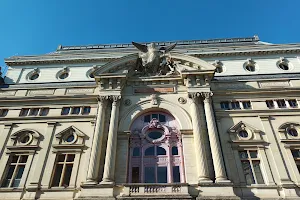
<point x="154" y="189"/>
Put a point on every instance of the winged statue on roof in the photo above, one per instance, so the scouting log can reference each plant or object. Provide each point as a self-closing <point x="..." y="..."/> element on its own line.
<point x="153" y="60"/>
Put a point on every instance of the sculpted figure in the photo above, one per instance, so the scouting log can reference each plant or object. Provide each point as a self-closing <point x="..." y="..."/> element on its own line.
<point x="151" y="58"/>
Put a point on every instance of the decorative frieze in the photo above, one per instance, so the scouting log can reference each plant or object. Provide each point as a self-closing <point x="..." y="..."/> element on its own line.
<point x="154" y="90"/>
<point x="80" y="91"/>
<point x="41" y="92"/>
<point x="7" y="93"/>
<point x="273" y="84"/>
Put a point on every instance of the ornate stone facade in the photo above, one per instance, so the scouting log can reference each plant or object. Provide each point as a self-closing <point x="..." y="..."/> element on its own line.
<point x="211" y="119"/>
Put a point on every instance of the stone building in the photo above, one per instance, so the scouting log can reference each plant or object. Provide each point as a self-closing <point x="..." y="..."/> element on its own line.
<point x="208" y="119"/>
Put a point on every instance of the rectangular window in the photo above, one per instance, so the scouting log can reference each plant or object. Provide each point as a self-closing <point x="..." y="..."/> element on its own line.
<point x="149" y="175"/>
<point x="251" y="167"/>
<point x="44" y="111"/>
<point x="3" y="112"/>
<point x="65" y="110"/>
<point x="24" y="112"/>
<point x="176" y="174"/>
<point x="225" y="105"/>
<point x="86" y="110"/>
<point x="15" y="171"/>
<point x="154" y="116"/>
<point x="135" y="175"/>
<point x="162" y="175"/>
<point x="63" y="170"/>
<point x="235" y="105"/>
<point x="281" y="103"/>
<point x="293" y="103"/>
<point x="296" y="155"/>
<point x="246" y="104"/>
<point x="75" y="110"/>
<point x="270" y="104"/>
<point x="34" y="111"/>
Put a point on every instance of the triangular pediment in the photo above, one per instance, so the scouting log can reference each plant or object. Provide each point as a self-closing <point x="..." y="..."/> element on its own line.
<point x="67" y="131"/>
<point x="242" y="126"/>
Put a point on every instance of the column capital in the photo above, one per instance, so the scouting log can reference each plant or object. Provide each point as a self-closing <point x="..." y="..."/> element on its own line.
<point x="115" y="99"/>
<point x="194" y="96"/>
<point x="206" y="96"/>
<point x="102" y="99"/>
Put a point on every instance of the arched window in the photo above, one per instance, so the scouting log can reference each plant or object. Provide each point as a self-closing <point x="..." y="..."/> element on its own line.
<point x="155" y="150"/>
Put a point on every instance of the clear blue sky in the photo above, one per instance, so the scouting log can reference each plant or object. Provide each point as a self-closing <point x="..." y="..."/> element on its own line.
<point x="30" y="27"/>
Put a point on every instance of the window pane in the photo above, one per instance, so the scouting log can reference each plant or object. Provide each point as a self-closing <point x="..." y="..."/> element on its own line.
<point x="24" y="112"/>
<point x="15" y="159"/>
<point x="61" y="158"/>
<point x="174" y="151"/>
<point x="136" y="151"/>
<point x="147" y="118"/>
<point x="34" y="111"/>
<point x="57" y="174"/>
<point x="253" y="154"/>
<point x="257" y="171"/>
<point x="8" y="176"/>
<point x="18" y="177"/>
<point x="155" y="135"/>
<point x="135" y="175"/>
<point x="65" y="111"/>
<point x="76" y="110"/>
<point x="243" y="154"/>
<point x="23" y="159"/>
<point x="67" y="175"/>
<point x="162" y="175"/>
<point x="155" y="116"/>
<point x="44" y="111"/>
<point x="161" y="151"/>
<point x="162" y="118"/>
<point x="86" y="110"/>
<point x="176" y="174"/>
<point x="247" y="172"/>
<point x="149" y="151"/>
<point x="70" y="157"/>
<point x="149" y="175"/>
<point x="295" y="153"/>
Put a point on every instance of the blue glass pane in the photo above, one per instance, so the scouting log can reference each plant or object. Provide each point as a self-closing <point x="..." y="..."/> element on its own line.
<point x="162" y="118"/>
<point x="149" y="151"/>
<point x="174" y="151"/>
<point x="161" y="151"/>
<point x="176" y="174"/>
<point x="149" y="175"/>
<point x="154" y="135"/>
<point x="155" y="116"/>
<point x="136" y="151"/>
<point x="162" y="175"/>
<point x="70" y="138"/>
<point x="147" y="118"/>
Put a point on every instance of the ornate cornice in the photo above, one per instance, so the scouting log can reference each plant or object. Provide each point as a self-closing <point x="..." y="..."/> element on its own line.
<point x="90" y="57"/>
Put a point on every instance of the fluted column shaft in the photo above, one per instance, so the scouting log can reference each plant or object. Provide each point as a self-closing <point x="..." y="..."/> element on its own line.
<point x="220" y="173"/>
<point x="94" y="163"/>
<point x="110" y="157"/>
<point x="202" y="167"/>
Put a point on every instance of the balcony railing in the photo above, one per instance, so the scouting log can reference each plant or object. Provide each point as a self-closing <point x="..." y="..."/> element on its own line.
<point x="142" y="189"/>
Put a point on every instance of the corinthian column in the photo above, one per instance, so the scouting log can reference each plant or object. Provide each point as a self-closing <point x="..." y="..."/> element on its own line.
<point x="110" y="157"/>
<point x="214" y="139"/>
<point x="97" y="141"/>
<point x="202" y="168"/>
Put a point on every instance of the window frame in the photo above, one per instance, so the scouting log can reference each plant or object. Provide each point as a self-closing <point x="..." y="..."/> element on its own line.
<point x="251" y="159"/>
<point x="15" y="170"/>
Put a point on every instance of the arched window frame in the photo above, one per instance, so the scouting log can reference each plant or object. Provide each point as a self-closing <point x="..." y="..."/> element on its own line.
<point x="171" y="137"/>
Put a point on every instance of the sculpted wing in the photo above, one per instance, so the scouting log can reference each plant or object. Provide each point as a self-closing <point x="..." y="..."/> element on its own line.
<point x="141" y="47"/>
<point x="168" y="48"/>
